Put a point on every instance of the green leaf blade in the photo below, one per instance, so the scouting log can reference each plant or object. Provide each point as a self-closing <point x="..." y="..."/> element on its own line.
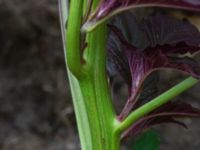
<point x="147" y="141"/>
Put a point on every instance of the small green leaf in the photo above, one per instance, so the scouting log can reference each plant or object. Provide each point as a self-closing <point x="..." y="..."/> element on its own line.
<point x="147" y="141"/>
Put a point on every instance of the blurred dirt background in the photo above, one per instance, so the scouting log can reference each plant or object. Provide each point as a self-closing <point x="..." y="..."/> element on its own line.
<point x="36" y="110"/>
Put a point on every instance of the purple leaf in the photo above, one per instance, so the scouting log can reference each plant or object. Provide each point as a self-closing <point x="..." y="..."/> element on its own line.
<point x="160" y="49"/>
<point x="108" y="8"/>
<point x="117" y="60"/>
<point x="165" y="114"/>
<point x="169" y="30"/>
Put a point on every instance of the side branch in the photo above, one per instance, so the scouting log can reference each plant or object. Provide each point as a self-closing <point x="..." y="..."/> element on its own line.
<point x="73" y="35"/>
<point x="155" y="103"/>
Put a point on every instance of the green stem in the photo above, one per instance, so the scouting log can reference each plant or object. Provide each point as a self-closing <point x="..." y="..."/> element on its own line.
<point x="96" y="119"/>
<point x="81" y="113"/>
<point x="102" y="116"/>
<point x="155" y="103"/>
<point x="78" y="100"/>
<point x="73" y="55"/>
<point x="91" y="96"/>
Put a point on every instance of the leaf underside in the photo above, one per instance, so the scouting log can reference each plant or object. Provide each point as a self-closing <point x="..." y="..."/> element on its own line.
<point x="136" y="49"/>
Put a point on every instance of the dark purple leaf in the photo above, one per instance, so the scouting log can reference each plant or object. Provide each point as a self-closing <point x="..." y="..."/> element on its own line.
<point x="163" y="30"/>
<point x="161" y="49"/>
<point x="117" y="60"/>
<point x="108" y="8"/>
<point x="165" y="114"/>
<point x="149" y="88"/>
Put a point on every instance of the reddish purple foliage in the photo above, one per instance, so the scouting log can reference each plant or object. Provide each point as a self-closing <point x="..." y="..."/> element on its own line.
<point x="136" y="49"/>
<point x="165" y="114"/>
<point x="108" y="8"/>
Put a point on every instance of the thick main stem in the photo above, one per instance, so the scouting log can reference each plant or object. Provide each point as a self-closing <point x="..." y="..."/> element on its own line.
<point x="88" y="81"/>
<point x="96" y="93"/>
<point x="96" y="67"/>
